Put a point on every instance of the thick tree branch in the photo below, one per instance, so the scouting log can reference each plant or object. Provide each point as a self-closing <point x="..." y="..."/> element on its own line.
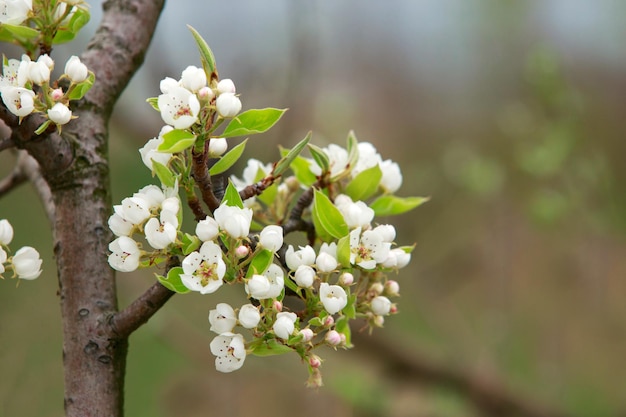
<point x="201" y="175"/>
<point x="6" y="143"/>
<point x="491" y="398"/>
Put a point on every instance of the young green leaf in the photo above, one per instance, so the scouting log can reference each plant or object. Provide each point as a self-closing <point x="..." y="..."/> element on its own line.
<point x="320" y="157"/>
<point x="343" y="251"/>
<point x="206" y="55"/>
<point x="232" y="197"/>
<point x="79" y="18"/>
<point x="390" y="205"/>
<point x="270" y="347"/>
<point x="252" y="121"/>
<point x="165" y="175"/>
<point x="190" y="243"/>
<point x="10" y="33"/>
<point x="173" y="281"/>
<point x="154" y="102"/>
<point x="229" y="159"/>
<point x="365" y="184"/>
<point x="261" y="261"/>
<point x="343" y="327"/>
<point x="289" y="157"/>
<point x="353" y="149"/>
<point x="177" y="140"/>
<point x="81" y="89"/>
<point x="328" y="217"/>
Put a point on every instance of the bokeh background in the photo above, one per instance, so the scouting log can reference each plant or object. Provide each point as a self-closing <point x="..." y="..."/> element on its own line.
<point x="509" y="114"/>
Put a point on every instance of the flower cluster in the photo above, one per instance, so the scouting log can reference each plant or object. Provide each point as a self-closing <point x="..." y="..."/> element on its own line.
<point x="25" y="88"/>
<point x="297" y="297"/>
<point x="25" y="263"/>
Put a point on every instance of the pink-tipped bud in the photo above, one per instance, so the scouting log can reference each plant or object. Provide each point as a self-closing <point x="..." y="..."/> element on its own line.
<point x="278" y="306"/>
<point x="242" y="251"/>
<point x="333" y="338"/>
<point x="315" y="361"/>
<point x="56" y="94"/>
<point x="206" y="94"/>
<point x="307" y="334"/>
<point x="379" y="321"/>
<point x="392" y="288"/>
<point x="329" y="321"/>
<point x="346" y="279"/>
<point x="393" y="309"/>
<point x="376" y="288"/>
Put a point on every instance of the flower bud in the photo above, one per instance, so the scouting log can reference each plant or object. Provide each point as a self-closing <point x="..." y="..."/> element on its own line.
<point x="304" y="276"/>
<point x="228" y="105"/>
<point x="380" y="305"/>
<point x="27" y="263"/>
<point x="379" y="321"/>
<point x="392" y="288"/>
<point x="76" y="70"/>
<point x="346" y="279"/>
<point x="315" y="361"/>
<point x="333" y="338"/>
<point x="205" y="94"/>
<point x="207" y="229"/>
<point x="325" y="262"/>
<point x="329" y="321"/>
<point x="271" y="237"/>
<point x="217" y="147"/>
<point x="376" y="288"/>
<point x="284" y="325"/>
<point x="242" y="251"/>
<point x="249" y="316"/>
<point x="38" y="72"/>
<point x="278" y="306"/>
<point x="56" y="94"/>
<point x="307" y="334"/>
<point x="6" y="232"/>
<point x="387" y="231"/>
<point x="193" y="78"/>
<point x="60" y="114"/>
<point x="304" y="256"/>
<point x="258" y="286"/>
<point x="226" y="86"/>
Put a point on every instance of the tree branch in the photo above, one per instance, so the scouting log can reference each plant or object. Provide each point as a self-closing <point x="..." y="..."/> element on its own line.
<point x="6" y="143"/>
<point x="201" y="175"/>
<point x="15" y="178"/>
<point x="489" y="397"/>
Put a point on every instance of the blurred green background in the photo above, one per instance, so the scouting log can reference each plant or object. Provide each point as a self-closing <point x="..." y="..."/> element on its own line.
<point x="508" y="114"/>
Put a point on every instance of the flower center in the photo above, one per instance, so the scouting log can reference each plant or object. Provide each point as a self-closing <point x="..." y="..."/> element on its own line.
<point x="206" y="272"/>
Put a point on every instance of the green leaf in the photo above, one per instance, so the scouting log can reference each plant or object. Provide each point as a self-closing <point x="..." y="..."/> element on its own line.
<point x="165" y="175"/>
<point x="270" y="347"/>
<point x="268" y="196"/>
<point x="154" y="102"/>
<point x="252" y="121"/>
<point x="390" y="205"/>
<point x="289" y="283"/>
<point x="320" y="157"/>
<point x="343" y="251"/>
<point x="173" y="281"/>
<point x="289" y="157"/>
<point x="206" y="55"/>
<point x="232" y="197"/>
<point x="81" y="89"/>
<point x="353" y="149"/>
<point x="190" y="243"/>
<point x="328" y="217"/>
<point x="43" y="127"/>
<point x="342" y="326"/>
<point x="261" y="261"/>
<point x="229" y="159"/>
<point x="10" y="33"/>
<point x="177" y="140"/>
<point x="365" y="184"/>
<point x="407" y="249"/>
<point x="301" y="168"/>
<point x="79" y="18"/>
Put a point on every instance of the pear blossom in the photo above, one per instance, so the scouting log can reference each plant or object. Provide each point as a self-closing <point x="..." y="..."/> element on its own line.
<point x="152" y="196"/>
<point x="249" y="316"/>
<point x="304" y="276"/>
<point x="228" y="105"/>
<point x="3" y="259"/>
<point x="9" y="74"/>
<point x="338" y="159"/>
<point x="368" y="157"/>
<point x="226" y="86"/>
<point x="391" y="179"/>
<point x="204" y="269"/>
<point x="333" y="338"/>
<point x="27" y="263"/>
<point x="253" y="170"/>
<point x="258" y="286"/>
<point x="368" y="249"/>
<point x="134" y="209"/>
<point x="38" y="71"/>
<point x="327" y="258"/>
<point x="380" y="305"/>
<point x="217" y="147"/>
<point x="149" y="152"/>
<point x="75" y="70"/>
<point x="6" y="232"/>
<point x="179" y="107"/>
<point x="333" y="297"/>
<point x="19" y="101"/>
<point x="125" y="254"/>
<point x="276" y="277"/>
<point x="193" y="78"/>
<point x="14" y="12"/>
<point x="284" y="325"/>
<point x="356" y="214"/>
<point x="304" y="256"/>
<point x="160" y="233"/>
<point x="271" y="237"/>
<point x="222" y="318"/>
<point x="60" y="114"/>
<point x="397" y="258"/>
<point x="167" y="84"/>
<point x="47" y="61"/>
<point x="172" y="205"/>
<point x="387" y="231"/>
<point x="120" y="226"/>
<point x="230" y="352"/>
<point x="207" y="229"/>
<point x="233" y="220"/>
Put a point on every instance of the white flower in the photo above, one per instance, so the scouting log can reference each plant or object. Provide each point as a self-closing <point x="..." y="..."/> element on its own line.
<point x="254" y="170"/>
<point x="304" y="276"/>
<point x="258" y="286"/>
<point x="14" y="12"/>
<point x="39" y="72"/>
<point x="392" y="288"/>
<point x="222" y="318"/>
<point x="284" y="324"/>
<point x="387" y="231"/>
<point x="230" y="351"/>
<point x="26" y="263"/>
<point x="3" y="259"/>
<point x="249" y="316"/>
<point x="207" y="229"/>
<point x="125" y="254"/>
<point x="76" y="71"/>
<point x="356" y="214"/>
<point x="179" y="107"/>
<point x="327" y="259"/>
<point x="392" y="176"/>
<point x="204" y="270"/>
<point x="168" y="84"/>
<point x="20" y="101"/>
<point x="304" y="256"/>
<point x="226" y="86"/>
<point x="276" y="277"/>
<point x="193" y="78"/>
<point x="333" y="297"/>
<point x="150" y="153"/>
<point x="217" y="147"/>
<point x="397" y="258"/>
<point x="9" y="74"/>
<point x="172" y="205"/>
<point x="151" y="195"/>
<point x="233" y="220"/>
<point x="6" y="232"/>
<point x="160" y="233"/>
<point x="60" y="114"/>
<point x="368" y="249"/>
<point x="120" y="226"/>
<point x="135" y="209"/>
<point x="228" y="105"/>
<point x="368" y="157"/>
<point x="380" y="305"/>
<point x="338" y="159"/>
<point x="271" y="237"/>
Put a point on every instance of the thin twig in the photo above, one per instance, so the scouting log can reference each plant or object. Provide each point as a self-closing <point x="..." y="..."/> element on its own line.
<point x="15" y="178"/>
